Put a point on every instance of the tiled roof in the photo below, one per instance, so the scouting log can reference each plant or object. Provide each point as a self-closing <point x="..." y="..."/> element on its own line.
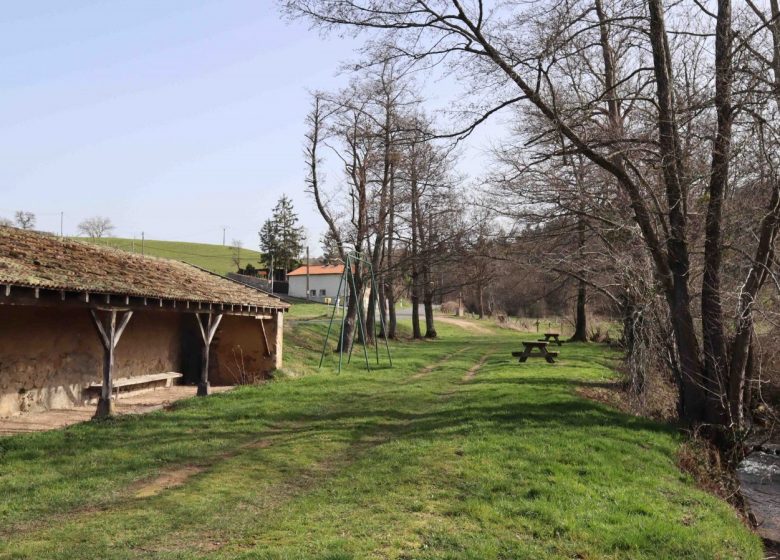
<point x="39" y="260"/>
<point x="316" y="269"/>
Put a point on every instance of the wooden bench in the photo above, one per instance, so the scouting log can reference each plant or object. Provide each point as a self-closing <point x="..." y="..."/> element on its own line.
<point x="128" y="384"/>
<point x="554" y="335"/>
<point x="529" y="346"/>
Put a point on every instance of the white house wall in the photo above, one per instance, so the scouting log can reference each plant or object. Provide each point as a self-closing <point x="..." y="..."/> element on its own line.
<point x="319" y="282"/>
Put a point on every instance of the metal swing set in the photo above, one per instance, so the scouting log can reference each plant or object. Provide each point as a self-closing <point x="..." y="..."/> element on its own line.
<point x="347" y="282"/>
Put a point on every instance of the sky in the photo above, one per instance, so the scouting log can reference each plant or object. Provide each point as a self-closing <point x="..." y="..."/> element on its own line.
<point x="176" y="119"/>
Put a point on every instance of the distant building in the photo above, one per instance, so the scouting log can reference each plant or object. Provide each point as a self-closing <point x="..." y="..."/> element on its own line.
<point x="323" y="285"/>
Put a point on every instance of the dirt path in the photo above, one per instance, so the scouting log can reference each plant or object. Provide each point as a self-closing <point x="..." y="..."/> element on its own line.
<point x="139" y="403"/>
<point x="465" y="324"/>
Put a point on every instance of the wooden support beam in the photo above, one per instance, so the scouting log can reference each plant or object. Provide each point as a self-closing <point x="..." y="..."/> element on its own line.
<point x="109" y="333"/>
<point x="265" y="339"/>
<point x="207" y="331"/>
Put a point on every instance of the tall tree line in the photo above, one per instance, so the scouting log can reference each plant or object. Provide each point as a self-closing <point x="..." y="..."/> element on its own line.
<point x="394" y="198"/>
<point x="675" y="107"/>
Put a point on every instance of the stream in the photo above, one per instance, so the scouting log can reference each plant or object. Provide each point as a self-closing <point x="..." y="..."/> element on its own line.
<point x="759" y="479"/>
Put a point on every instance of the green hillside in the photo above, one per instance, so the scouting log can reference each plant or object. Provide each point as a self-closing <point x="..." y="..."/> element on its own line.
<point x="216" y="258"/>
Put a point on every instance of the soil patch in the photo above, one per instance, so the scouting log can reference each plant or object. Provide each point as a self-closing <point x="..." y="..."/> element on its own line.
<point x="166" y="480"/>
<point x="138" y="403"/>
<point x="471" y="373"/>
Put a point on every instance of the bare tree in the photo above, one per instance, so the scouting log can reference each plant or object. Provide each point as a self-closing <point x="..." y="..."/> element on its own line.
<point x="235" y="253"/>
<point x="96" y="227"/>
<point x="24" y="220"/>
<point x="632" y="88"/>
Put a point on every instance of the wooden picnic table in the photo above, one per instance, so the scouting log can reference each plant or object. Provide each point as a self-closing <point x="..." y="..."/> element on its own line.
<point x="554" y="335"/>
<point x="529" y="346"/>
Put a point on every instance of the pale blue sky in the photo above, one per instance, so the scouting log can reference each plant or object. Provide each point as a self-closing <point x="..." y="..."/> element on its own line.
<point x="173" y="118"/>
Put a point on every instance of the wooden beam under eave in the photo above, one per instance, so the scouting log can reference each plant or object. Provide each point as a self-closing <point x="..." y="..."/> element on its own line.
<point x="21" y="296"/>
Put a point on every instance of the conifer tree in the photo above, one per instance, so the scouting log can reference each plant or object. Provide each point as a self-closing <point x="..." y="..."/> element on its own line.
<point x="281" y="237"/>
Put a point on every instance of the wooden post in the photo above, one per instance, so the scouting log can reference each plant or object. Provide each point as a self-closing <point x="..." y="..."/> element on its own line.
<point x="207" y="333"/>
<point x="279" y="339"/>
<point x="109" y="336"/>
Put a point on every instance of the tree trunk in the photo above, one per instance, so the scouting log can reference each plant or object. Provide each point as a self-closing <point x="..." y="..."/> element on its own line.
<point x="382" y="308"/>
<point x="713" y="335"/>
<point x="416" y="332"/>
<point x="371" y="312"/>
<point x="580" y="327"/>
<point x="430" y="329"/>
<point x="392" y="319"/>
<point x="347" y="336"/>
<point x="693" y="386"/>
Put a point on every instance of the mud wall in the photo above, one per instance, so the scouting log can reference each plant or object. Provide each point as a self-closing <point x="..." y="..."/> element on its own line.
<point x="48" y="354"/>
<point x="239" y="354"/>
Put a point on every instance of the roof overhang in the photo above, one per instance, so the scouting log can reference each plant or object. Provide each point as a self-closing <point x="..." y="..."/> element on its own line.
<point x="11" y="294"/>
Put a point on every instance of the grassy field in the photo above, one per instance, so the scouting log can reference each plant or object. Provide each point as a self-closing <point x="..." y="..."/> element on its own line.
<point x="216" y="258"/>
<point x="457" y="452"/>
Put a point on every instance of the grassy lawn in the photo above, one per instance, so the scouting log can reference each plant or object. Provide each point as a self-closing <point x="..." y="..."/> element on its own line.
<point x="216" y="258"/>
<point x="456" y="452"/>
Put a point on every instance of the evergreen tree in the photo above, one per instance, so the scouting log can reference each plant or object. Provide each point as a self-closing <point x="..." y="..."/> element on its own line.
<point x="281" y="238"/>
<point x="330" y="248"/>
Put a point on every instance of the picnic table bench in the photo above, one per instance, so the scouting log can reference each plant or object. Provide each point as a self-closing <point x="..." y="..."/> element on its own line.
<point x="139" y="382"/>
<point x="529" y="346"/>
<point x="554" y="335"/>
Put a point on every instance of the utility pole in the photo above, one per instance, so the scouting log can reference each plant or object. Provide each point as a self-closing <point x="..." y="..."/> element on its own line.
<point x="142" y="243"/>
<point x="223" y="236"/>
<point x="133" y="243"/>
<point x="62" y="219"/>
<point x="271" y="273"/>
<point x="307" y="273"/>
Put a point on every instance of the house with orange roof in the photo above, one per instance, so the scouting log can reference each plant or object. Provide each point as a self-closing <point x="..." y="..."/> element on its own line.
<point x="316" y="282"/>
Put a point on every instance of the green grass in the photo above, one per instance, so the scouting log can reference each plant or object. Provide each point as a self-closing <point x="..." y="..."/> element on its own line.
<point x="415" y="462"/>
<point x="216" y="258"/>
<point x="310" y="311"/>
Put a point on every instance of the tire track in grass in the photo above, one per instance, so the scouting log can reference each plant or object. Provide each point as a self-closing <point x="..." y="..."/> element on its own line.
<point x="472" y="372"/>
<point x="439" y="363"/>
